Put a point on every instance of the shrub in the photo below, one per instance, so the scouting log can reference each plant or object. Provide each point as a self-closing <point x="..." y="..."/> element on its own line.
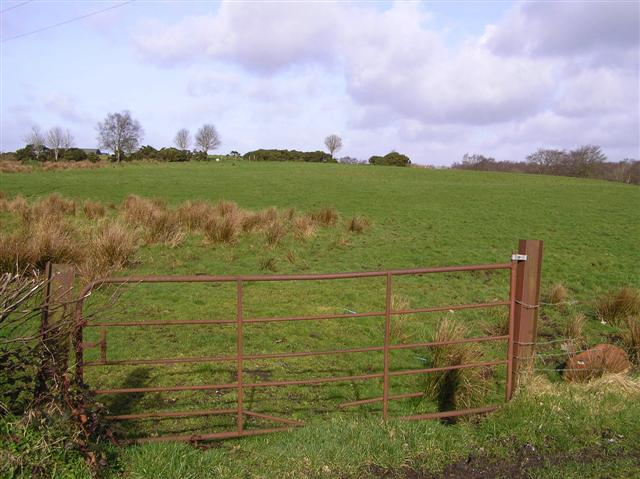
<point x="74" y="154"/>
<point x="173" y="154"/>
<point x="456" y="388"/>
<point x="390" y="159"/>
<point x="93" y="158"/>
<point x="615" y="307"/>
<point x="289" y="155"/>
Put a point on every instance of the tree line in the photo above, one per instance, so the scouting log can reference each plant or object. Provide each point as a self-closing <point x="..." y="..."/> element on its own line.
<point x="587" y="161"/>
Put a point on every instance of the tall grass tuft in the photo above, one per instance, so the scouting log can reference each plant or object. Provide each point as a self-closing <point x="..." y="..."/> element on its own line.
<point x="304" y="227"/>
<point x="223" y="229"/>
<point x="458" y="388"/>
<point x="195" y="214"/>
<point x="164" y="226"/>
<point x="274" y="233"/>
<point x="226" y="208"/>
<point x="357" y="224"/>
<point x="51" y="239"/>
<point x="557" y="295"/>
<point x="112" y="247"/>
<point x="574" y="333"/>
<point x="138" y="211"/>
<point x="325" y="216"/>
<point x="19" y="206"/>
<point x="53" y="205"/>
<point x="399" y="321"/>
<point x="615" y="307"/>
<point x="631" y="339"/>
<point x="93" y="209"/>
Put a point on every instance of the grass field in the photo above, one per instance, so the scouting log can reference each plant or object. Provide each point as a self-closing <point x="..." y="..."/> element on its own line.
<point x="418" y="217"/>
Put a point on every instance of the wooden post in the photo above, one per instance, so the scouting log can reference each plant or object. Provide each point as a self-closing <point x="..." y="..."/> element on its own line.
<point x="55" y="326"/>
<point x="527" y="297"/>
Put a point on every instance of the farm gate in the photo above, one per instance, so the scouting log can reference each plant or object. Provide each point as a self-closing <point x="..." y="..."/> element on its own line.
<point x="524" y="285"/>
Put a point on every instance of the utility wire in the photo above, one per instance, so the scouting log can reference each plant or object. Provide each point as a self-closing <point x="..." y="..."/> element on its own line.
<point x="15" y="6"/>
<point x="49" y="27"/>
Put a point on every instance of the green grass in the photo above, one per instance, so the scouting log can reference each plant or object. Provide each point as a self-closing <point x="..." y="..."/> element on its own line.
<point x="418" y="218"/>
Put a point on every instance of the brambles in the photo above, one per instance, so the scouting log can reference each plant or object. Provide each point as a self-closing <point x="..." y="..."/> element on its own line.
<point x="615" y="307"/>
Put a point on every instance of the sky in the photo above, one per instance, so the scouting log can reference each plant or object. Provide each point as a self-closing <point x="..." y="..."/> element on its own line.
<point x="433" y="80"/>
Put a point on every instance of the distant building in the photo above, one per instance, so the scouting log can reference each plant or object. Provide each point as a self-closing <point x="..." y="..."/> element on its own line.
<point x="88" y="151"/>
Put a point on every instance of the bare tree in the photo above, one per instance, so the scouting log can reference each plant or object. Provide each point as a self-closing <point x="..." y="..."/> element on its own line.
<point x="58" y="139"/>
<point x="183" y="139"/>
<point x="120" y="133"/>
<point x="35" y="138"/>
<point x="333" y="143"/>
<point x="207" y="138"/>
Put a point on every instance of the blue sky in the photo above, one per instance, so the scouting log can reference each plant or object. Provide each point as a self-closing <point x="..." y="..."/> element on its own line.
<point x="434" y="79"/>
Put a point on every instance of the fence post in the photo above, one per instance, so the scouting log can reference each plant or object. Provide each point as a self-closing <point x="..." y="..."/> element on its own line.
<point x="55" y="326"/>
<point x="527" y="296"/>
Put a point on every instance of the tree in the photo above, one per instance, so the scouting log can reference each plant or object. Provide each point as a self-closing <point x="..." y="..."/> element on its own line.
<point x="58" y="139"/>
<point x="183" y="139"/>
<point x="35" y="139"/>
<point x="207" y="138"/>
<point x="333" y="143"/>
<point x="120" y="133"/>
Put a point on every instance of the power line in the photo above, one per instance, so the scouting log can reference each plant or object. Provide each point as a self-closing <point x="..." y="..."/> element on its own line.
<point x="15" y="6"/>
<point x="49" y="27"/>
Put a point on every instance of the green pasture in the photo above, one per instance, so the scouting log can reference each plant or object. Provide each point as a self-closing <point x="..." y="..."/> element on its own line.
<point x="419" y="218"/>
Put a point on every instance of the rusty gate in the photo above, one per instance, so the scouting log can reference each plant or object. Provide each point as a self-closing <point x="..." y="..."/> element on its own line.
<point x="524" y="285"/>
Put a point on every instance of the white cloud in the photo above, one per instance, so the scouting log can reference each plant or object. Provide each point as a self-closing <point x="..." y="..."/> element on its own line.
<point x="552" y="73"/>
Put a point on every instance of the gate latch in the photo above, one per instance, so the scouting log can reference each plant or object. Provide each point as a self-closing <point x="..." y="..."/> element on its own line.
<point x="518" y="257"/>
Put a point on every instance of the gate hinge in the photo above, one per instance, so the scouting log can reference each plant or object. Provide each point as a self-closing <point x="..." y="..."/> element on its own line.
<point x="518" y="257"/>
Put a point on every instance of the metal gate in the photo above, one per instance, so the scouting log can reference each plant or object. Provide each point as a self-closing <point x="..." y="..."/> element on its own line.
<point x="523" y="294"/>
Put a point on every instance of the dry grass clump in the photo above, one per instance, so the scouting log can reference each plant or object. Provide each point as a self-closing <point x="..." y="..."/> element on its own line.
<point x="112" y="246"/>
<point x="163" y="226"/>
<point x="274" y="232"/>
<point x="399" y="321"/>
<point x="557" y="295"/>
<point x="325" y="216"/>
<point x="223" y="229"/>
<point x="304" y="227"/>
<point x="44" y="239"/>
<point x="269" y="264"/>
<point x="93" y="209"/>
<point x="357" y="224"/>
<point x="138" y="211"/>
<point x="226" y="208"/>
<point x="195" y="214"/>
<point x="53" y="205"/>
<point x="615" y="307"/>
<point x="574" y="333"/>
<point x="631" y="339"/>
<point x="7" y="166"/>
<point x="70" y="165"/>
<point x="19" y="206"/>
<point x="457" y="388"/>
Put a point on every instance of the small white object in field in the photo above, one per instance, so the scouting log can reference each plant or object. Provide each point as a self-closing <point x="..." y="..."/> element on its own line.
<point x="217" y="159"/>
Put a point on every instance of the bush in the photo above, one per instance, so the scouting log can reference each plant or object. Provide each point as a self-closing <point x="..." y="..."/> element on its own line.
<point x="390" y="159"/>
<point x="173" y="154"/>
<point x="146" y="152"/>
<point x="93" y="157"/>
<point x="74" y="154"/>
<point x="26" y="154"/>
<point x="199" y="156"/>
<point x="289" y="155"/>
